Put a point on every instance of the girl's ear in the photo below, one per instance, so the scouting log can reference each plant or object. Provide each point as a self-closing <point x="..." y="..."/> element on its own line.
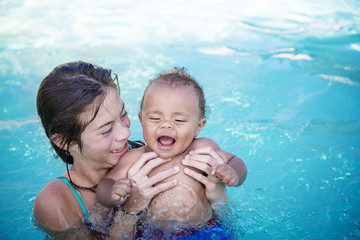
<point x="60" y="142"/>
<point x="200" y="126"/>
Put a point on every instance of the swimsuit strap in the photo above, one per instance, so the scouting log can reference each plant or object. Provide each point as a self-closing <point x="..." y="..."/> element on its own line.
<point x="82" y="205"/>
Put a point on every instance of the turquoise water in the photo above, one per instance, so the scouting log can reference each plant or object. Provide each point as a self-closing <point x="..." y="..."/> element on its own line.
<point x="282" y="79"/>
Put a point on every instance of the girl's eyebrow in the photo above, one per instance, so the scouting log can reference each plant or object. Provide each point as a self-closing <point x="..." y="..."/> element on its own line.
<point x="110" y="122"/>
<point x="105" y="124"/>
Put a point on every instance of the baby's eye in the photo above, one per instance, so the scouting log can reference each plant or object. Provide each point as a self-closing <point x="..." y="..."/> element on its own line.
<point x="107" y="132"/>
<point x="180" y="120"/>
<point x="154" y="118"/>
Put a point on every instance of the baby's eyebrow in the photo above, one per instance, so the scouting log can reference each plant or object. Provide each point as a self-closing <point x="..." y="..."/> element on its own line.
<point x="153" y="112"/>
<point x="181" y="114"/>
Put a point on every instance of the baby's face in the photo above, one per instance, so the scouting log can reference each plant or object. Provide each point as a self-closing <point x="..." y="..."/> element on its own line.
<point x="170" y="119"/>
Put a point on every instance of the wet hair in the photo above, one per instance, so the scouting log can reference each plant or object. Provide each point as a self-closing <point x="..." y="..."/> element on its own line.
<point x="178" y="77"/>
<point x="68" y="91"/>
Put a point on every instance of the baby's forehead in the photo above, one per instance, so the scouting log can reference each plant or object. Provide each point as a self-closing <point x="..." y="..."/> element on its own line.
<point x="173" y="85"/>
<point x="179" y="90"/>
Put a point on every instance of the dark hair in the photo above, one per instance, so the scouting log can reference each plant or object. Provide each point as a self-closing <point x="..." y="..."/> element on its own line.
<point x="68" y="91"/>
<point x="178" y="77"/>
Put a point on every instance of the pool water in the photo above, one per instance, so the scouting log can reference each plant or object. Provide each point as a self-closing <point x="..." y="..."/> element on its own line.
<point x="282" y="79"/>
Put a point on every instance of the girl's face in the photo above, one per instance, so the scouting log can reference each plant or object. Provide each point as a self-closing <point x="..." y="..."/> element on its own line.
<point x="105" y="139"/>
<point x="170" y="118"/>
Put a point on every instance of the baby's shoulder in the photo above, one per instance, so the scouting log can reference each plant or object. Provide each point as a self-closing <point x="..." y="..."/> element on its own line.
<point x="125" y="162"/>
<point x="204" y="142"/>
<point x="131" y="156"/>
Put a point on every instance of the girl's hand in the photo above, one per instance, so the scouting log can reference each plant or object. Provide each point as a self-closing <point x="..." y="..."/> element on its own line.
<point x="143" y="187"/>
<point x="206" y="160"/>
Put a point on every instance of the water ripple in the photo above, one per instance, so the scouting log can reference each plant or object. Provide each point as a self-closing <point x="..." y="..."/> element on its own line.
<point x="339" y="79"/>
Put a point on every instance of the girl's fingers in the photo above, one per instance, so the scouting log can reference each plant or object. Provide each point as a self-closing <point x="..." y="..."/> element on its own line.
<point x="145" y="164"/>
<point x="162" y="187"/>
<point x="149" y="166"/>
<point x="204" y="167"/>
<point x="197" y="176"/>
<point x="141" y="162"/>
<point x="206" y="159"/>
<point x="160" y="176"/>
<point x="208" y="151"/>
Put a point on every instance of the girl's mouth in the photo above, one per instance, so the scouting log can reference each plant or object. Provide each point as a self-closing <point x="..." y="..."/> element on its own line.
<point x="116" y="152"/>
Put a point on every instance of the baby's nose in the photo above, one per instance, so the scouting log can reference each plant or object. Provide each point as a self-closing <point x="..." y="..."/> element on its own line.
<point x="166" y="124"/>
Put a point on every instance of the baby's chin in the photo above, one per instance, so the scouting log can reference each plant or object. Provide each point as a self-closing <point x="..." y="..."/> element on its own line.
<point x="164" y="155"/>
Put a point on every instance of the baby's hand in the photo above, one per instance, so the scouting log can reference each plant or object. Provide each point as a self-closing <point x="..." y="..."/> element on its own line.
<point x="226" y="174"/>
<point x="121" y="190"/>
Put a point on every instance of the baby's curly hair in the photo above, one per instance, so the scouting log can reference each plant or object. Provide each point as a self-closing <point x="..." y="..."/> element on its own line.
<point x="178" y="77"/>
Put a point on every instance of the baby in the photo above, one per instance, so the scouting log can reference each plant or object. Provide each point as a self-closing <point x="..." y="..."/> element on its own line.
<point x="172" y="115"/>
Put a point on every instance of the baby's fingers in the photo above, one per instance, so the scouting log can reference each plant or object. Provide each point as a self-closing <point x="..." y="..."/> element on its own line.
<point x="121" y="189"/>
<point x="226" y="174"/>
<point x="118" y="200"/>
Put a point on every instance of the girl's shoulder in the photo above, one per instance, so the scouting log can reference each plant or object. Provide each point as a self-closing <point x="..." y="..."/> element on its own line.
<point x="55" y="206"/>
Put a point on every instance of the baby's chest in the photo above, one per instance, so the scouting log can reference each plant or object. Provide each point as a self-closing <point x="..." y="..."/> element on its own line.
<point x="180" y="176"/>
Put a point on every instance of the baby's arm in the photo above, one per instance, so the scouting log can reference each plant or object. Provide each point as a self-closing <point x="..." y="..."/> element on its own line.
<point x="219" y="166"/>
<point x="229" y="169"/>
<point x="114" y="188"/>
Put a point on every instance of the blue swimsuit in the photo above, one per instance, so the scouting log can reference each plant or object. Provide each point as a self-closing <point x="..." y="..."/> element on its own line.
<point x="98" y="232"/>
<point x="82" y="205"/>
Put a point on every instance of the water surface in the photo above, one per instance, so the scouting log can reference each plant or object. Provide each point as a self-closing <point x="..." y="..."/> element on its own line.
<point x="282" y="80"/>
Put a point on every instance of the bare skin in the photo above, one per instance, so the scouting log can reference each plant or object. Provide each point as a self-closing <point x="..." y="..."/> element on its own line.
<point x="105" y="140"/>
<point x="170" y="129"/>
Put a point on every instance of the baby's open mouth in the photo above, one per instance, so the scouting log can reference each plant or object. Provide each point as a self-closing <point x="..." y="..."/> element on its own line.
<point x="166" y="141"/>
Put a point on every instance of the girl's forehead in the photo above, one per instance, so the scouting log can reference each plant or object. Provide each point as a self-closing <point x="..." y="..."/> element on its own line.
<point x="103" y="108"/>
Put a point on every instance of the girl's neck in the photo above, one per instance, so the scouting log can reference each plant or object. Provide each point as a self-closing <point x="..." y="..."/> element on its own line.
<point x="85" y="176"/>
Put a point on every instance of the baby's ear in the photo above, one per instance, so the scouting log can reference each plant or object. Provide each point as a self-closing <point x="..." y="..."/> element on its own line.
<point x="140" y="117"/>
<point x="200" y="126"/>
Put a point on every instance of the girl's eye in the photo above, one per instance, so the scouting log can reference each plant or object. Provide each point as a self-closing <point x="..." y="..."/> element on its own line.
<point x="106" y="132"/>
<point x="124" y="115"/>
<point x="154" y="118"/>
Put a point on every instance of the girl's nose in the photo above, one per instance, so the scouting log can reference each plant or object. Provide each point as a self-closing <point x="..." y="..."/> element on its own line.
<point x="122" y="132"/>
